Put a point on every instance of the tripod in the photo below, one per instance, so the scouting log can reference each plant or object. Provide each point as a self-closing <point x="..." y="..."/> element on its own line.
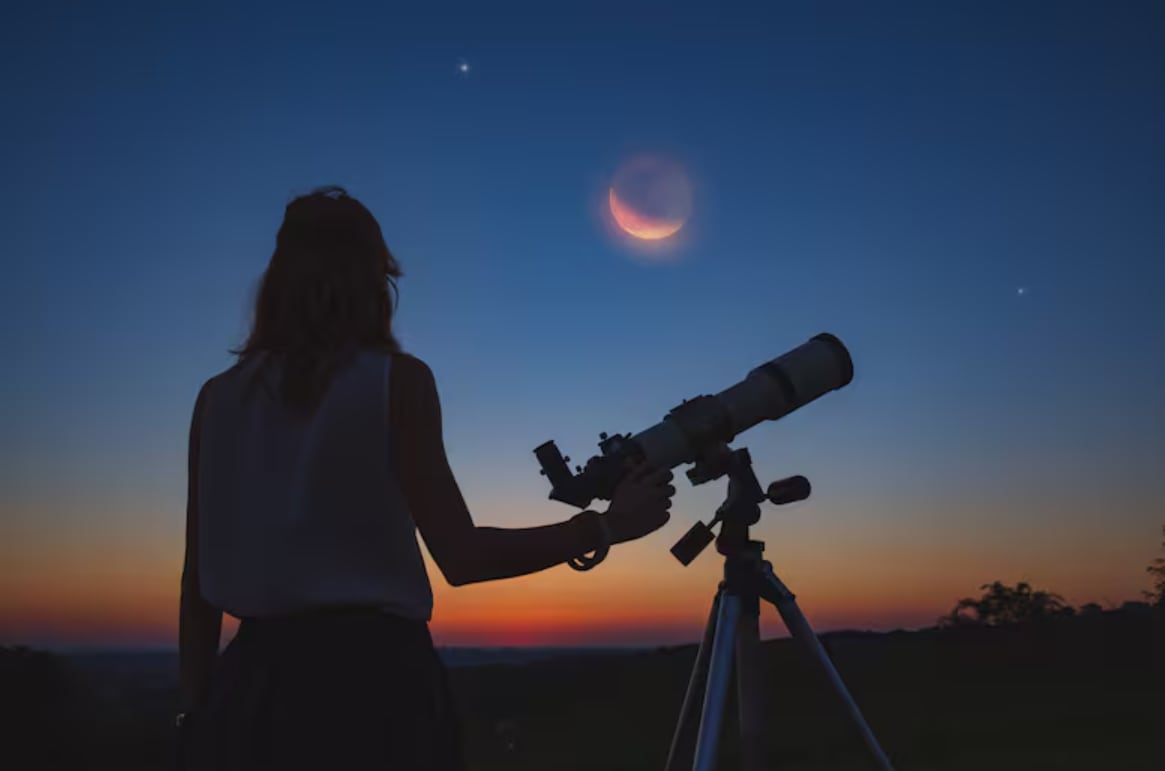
<point x="733" y="630"/>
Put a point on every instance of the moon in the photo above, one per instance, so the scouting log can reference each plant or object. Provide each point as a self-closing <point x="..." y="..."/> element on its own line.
<point x="639" y="225"/>
<point x="650" y="198"/>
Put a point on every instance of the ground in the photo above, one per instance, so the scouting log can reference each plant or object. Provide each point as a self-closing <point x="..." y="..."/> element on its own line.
<point x="1075" y="693"/>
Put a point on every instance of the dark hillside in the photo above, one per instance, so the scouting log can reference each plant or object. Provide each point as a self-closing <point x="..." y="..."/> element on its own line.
<point x="1083" y="692"/>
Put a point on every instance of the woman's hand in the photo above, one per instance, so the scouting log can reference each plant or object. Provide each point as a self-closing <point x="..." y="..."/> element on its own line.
<point x="640" y="504"/>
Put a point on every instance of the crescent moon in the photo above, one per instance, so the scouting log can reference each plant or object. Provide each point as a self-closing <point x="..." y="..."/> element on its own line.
<point x="635" y="224"/>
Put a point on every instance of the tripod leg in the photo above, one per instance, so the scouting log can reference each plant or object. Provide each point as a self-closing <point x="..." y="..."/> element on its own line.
<point x="716" y="689"/>
<point x="683" y="742"/>
<point x="773" y="590"/>
<point x="750" y="686"/>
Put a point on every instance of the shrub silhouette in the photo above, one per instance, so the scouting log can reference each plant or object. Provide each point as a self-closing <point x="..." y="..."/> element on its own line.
<point x="1002" y="604"/>
<point x="1091" y="609"/>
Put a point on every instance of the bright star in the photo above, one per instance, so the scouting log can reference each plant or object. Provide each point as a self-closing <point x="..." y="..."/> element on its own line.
<point x="463" y="67"/>
<point x="1021" y="291"/>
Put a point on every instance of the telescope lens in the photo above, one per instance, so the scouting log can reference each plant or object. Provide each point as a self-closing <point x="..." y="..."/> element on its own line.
<point x="807" y="372"/>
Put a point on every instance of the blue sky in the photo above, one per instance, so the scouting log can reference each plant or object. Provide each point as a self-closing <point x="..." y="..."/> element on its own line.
<point x="891" y="175"/>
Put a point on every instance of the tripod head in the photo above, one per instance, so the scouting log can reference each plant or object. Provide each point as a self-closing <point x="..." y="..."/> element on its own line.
<point x="741" y="507"/>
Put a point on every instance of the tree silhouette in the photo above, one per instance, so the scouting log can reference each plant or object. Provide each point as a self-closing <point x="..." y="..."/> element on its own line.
<point x="1002" y="604"/>
<point x="1157" y="570"/>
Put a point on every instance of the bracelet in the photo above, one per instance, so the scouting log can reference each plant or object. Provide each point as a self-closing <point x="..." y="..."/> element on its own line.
<point x="583" y="562"/>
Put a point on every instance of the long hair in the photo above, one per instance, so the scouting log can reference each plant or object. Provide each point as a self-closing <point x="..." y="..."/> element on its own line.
<point x="324" y="294"/>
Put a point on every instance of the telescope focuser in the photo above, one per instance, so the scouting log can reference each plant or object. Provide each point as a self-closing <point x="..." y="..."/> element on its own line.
<point x="598" y="479"/>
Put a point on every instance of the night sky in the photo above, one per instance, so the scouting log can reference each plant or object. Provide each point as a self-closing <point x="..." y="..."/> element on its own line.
<point x="970" y="195"/>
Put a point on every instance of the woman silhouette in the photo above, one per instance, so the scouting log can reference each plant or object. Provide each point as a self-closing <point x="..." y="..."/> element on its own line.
<point x="313" y="463"/>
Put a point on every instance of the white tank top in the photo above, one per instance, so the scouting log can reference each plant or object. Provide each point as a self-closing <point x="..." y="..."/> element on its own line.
<point x="298" y="511"/>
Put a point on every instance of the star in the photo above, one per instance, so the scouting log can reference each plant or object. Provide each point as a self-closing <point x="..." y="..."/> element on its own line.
<point x="1021" y="291"/>
<point x="463" y="67"/>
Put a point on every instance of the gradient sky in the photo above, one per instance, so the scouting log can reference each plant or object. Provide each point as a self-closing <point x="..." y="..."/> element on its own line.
<point x="894" y="176"/>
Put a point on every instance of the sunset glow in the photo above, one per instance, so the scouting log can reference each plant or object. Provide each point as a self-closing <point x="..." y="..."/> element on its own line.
<point x="108" y="594"/>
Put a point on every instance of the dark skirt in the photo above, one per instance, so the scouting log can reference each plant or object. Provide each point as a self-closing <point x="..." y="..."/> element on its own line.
<point x="336" y="689"/>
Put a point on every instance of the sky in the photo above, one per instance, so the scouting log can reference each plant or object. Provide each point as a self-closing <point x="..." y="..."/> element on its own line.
<point x="968" y="195"/>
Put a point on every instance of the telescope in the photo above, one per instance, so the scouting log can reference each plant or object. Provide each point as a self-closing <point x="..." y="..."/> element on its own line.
<point x="697" y="429"/>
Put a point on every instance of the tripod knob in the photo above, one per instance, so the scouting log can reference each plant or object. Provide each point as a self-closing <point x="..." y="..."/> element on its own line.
<point x="788" y="490"/>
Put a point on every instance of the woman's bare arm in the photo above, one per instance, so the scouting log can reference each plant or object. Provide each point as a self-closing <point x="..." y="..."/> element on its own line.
<point x="465" y="552"/>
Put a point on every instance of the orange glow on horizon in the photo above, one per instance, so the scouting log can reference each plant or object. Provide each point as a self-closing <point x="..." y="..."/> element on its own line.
<point x="74" y="588"/>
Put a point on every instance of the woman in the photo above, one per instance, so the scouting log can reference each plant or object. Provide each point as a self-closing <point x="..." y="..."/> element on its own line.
<point x="313" y="463"/>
